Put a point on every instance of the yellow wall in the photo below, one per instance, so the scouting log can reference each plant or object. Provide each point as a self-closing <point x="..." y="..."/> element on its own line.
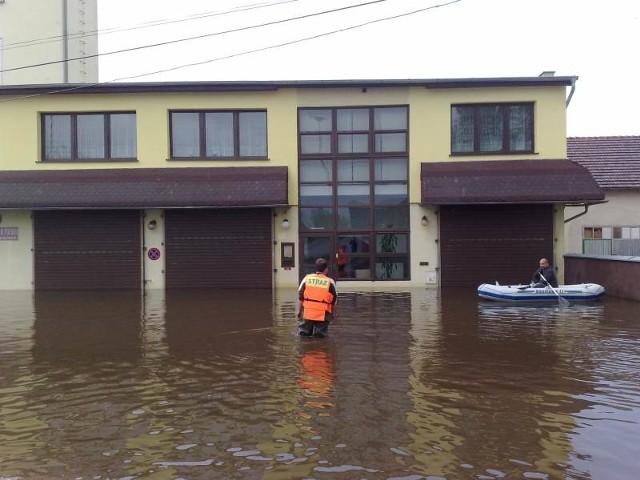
<point x="28" y="20"/>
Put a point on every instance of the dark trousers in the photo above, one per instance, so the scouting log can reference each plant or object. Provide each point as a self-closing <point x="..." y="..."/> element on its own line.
<point x="312" y="328"/>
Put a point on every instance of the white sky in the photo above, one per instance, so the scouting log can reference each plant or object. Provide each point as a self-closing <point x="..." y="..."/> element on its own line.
<point x="597" y="40"/>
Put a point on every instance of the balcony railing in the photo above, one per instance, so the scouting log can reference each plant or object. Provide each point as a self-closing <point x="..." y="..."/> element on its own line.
<point x="629" y="247"/>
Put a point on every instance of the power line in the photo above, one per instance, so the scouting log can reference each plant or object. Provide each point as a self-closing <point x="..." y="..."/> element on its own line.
<point x="154" y="23"/>
<point x="284" y="44"/>
<point x="239" y="54"/>
<point x="196" y="37"/>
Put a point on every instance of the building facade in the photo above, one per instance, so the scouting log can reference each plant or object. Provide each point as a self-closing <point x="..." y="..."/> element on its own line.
<point x="48" y="41"/>
<point x="613" y="227"/>
<point x="230" y="184"/>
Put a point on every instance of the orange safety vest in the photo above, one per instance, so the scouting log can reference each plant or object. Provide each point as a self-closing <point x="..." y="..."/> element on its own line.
<point x="317" y="297"/>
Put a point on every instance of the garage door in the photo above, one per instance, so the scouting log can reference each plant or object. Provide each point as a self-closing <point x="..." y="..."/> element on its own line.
<point x="489" y="243"/>
<point x="82" y="250"/>
<point x="219" y="248"/>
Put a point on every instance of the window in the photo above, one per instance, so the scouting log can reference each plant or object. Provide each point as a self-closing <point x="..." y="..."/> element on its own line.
<point x="354" y="188"/>
<point x="492" y="128"/>
<point x="218" y="134"/>
<point x="89" y="137"/>
<point x="353" y="131"/>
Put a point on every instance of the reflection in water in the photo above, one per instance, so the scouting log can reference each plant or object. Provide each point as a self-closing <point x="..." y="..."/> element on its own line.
<point x="416" y="384"/>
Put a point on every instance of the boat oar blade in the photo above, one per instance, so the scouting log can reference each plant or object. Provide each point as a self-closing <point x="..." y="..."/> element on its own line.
<point x="563" y="301"/>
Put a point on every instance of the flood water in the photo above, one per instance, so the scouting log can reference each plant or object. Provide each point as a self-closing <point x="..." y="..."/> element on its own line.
<point x="410" y="385"/>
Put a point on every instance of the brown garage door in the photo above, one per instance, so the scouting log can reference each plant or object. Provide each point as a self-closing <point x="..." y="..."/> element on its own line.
<point x="86" y="250"/>
<point x="219" y="248"/>
<point x="489" y="243"/>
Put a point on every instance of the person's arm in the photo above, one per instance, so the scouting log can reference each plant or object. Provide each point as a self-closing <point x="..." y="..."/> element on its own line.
<point x="334" y="302"/>
<point x="300" y="298"/>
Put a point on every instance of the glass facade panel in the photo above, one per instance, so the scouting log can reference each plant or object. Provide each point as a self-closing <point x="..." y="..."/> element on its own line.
<point x="392" y="218"/>
<point x="124" y="143"/>
<point x="354" y="195"/>
<point x="462" y="130"/>
<point x="315" y="144"/>
<point x="90" y="133"/>
<point x="391" y="142"/>
<point x="353" y="143"/>
<point x="390" y="118"/>
<point x="392" y="243"/>
<point x="491" y="128"/>
<point x="318" y="195"/>
<point x="380" y="167"/>
<point x="253" y="134"/>
<point x="391" y="194"/>
<point x="318" y="171"/>
<point x="396" y="268"/>
<point x="316" y="218"/>
<point x="352" y="218"/>
<point x="57" y="137"/>
<point x="185" y="135"/>
<point x="520" y="128"/>
<point x="356" y="170"/>
<point x="352" y="119"/>
<point x="219" y="134"/>
<point x="391" y="170"/>
<point x="316" y="121"/>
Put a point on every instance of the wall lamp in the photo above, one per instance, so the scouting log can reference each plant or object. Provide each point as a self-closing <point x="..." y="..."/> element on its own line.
<point x="152" y="225"/>
<point x="285" y="224"/>
<point x="424" y="221"/>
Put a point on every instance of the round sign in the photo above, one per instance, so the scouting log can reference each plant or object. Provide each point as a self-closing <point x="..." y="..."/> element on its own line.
<point x="153" y="253"/>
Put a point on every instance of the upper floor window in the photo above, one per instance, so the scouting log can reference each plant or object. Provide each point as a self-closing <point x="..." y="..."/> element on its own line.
<point x="357" y="131"/>
<point x="492" y="128"/>
<point x="89" y="136"/>
<point x="219" y="134"/>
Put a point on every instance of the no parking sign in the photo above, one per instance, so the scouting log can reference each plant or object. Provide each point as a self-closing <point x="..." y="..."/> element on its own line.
<point x="153" y="253"/>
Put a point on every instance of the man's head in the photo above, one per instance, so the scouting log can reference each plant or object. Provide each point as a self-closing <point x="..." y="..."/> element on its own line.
<point x="544" y="263"/>
<point x="321" y="265"/>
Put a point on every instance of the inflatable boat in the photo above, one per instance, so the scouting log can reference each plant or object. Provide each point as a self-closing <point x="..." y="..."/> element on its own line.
<point x="526" y="293"/>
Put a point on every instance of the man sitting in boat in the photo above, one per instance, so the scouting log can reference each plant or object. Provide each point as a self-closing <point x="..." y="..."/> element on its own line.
<point x="544" y="276"/>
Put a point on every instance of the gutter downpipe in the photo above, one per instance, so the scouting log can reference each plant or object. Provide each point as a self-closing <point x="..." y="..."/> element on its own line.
<point x="586" y="209"/>
<point x="572" y="91"/>
<point x="65" y="41"/>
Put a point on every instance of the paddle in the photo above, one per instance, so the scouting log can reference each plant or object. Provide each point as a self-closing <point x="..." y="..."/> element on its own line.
<point x="563" y="301"/>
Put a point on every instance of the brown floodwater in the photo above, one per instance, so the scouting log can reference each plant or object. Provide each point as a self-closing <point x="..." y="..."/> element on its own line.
<point x="410" y="385"/>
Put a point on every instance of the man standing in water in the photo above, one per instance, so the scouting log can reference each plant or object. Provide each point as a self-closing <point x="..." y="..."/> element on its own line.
<point x="547" y="272"/>
<point x="317" y="297"/>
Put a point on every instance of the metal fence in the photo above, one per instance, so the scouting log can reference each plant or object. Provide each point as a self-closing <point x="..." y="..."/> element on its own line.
<point x="629" y="247"/>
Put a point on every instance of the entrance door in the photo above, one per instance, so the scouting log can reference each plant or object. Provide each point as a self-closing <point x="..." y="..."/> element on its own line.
<point x="314" y="247"/>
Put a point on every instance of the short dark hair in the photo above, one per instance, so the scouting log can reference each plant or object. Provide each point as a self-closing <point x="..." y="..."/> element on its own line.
<point x="321" y="265"/>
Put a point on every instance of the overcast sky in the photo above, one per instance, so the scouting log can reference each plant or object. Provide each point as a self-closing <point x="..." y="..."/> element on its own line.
<point x="596" y="40"/>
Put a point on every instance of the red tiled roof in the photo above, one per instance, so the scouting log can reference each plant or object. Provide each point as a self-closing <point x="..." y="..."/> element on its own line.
<point x="613" y="161"/>
<point x="145" y="188"/>
<point x="507" y="181"/>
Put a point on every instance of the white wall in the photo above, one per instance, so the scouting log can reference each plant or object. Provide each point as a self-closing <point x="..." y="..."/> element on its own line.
<point x="16" y="256"/>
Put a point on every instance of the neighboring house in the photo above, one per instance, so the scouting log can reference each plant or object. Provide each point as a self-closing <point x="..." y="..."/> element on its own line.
<point x="244" y="184"/>
<point x="611" y="228"/>
<point x="61" y="34"/>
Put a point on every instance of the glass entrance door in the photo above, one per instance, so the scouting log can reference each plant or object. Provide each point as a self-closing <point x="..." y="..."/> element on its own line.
<point x="316" y="246"/>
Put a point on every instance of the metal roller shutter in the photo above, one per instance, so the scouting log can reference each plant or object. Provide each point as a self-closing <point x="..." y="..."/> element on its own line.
<point x="87" y="250"/>
<point x="489" y="243"/>
<point x="219" y="248"/>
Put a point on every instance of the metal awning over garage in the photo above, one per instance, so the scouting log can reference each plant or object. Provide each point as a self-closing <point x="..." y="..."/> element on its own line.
<point x="144" y="188"/>
<point x="508" y="181"/>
